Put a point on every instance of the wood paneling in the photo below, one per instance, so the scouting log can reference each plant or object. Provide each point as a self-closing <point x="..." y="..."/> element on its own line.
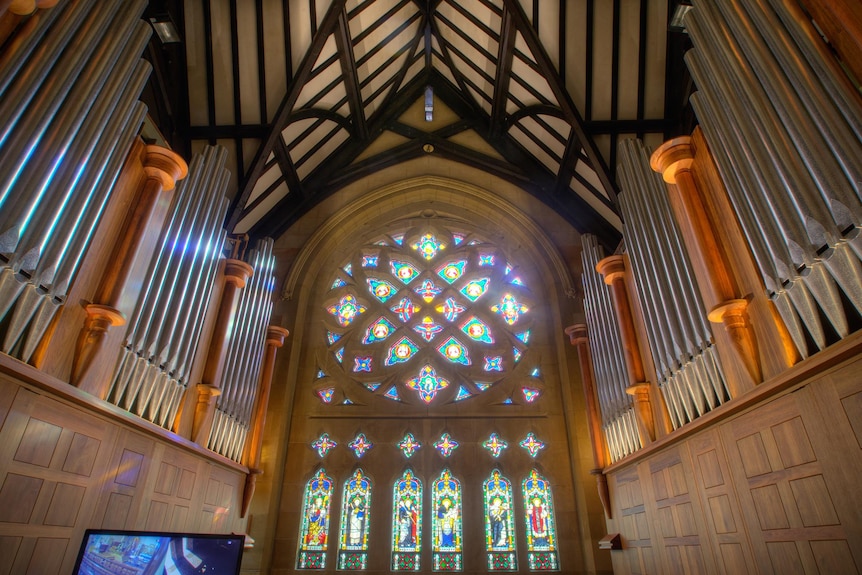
<point x="773" y="489"/>
<point x="65" y="468"/>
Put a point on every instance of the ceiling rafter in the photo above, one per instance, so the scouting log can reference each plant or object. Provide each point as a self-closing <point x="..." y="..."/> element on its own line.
<point x="351" y="78"/>
<point x="327" y="26"/>
<point x="562" y="96"/>
<point x="505" y="56"/>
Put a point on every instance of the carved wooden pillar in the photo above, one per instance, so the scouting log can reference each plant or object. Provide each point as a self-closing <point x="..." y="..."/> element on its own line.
<point x="275" y="337"/>
<point x="578" y="338"/>
<point x="613" y="269"/>
<point x="236" y="273"/>
<point x="673" y="160"/>
<point x="163" y="168"/>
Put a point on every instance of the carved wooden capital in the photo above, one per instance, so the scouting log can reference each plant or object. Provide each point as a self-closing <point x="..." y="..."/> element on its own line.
<point x="577" y="334"/>
<point x="91" y="339"/>
<point x="734" y="315"/>
<point x="275" y="336"/>
<point x="237" y="272"/>
<point x="164" y="165"/>
<point x="672" y="157"/>
<point x="612" y="268"/>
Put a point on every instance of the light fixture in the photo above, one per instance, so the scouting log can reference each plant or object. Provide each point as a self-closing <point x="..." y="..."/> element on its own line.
<point x="429" y="104"/>
<point x="165" y="29"/>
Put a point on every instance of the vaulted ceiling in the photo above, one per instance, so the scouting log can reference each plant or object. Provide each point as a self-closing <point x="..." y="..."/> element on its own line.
<point x="310" y="95"/>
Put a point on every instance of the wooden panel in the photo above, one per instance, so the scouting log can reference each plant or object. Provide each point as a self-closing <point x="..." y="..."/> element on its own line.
<point x="633" y="524"/>
<point x="8" y="551"/>
<point x="786" y="501"/>
<point x="47" y="555"/>
<point x="18" y="497"/>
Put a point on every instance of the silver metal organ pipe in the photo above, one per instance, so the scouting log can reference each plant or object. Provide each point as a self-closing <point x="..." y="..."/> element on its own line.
<point x="788" y="240"/>
<point x="674" y="313"/>
<point x="618" y="421"/>
<point x="21" y="49"/>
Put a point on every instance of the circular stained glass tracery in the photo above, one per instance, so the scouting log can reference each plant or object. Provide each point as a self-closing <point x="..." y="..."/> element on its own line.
<point x="439" y="315"/>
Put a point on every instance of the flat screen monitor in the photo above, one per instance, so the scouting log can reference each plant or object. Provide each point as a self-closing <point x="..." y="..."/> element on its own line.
<point x="111" y="552"/>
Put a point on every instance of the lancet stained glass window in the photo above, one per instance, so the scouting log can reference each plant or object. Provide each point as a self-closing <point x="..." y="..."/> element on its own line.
<point x="541" y="529"/>
<point x="435" y="316"/>
<point x="499" y="524"/>
<point x="406" y="522"/>
<point x="314" y="530"/>
<point x="355" y="523"/>
<point x="446" y="523"/>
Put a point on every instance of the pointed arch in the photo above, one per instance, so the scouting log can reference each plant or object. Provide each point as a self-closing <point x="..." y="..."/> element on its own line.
<point x="446" y="520"/>
<point x="499" y="523"/>
<point x="406" y="522"/>
<point x="541" y="523"/>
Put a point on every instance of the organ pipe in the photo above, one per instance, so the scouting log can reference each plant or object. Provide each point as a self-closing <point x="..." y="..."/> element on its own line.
<point x="618" y="419"/>
<point x="681" y="340"/>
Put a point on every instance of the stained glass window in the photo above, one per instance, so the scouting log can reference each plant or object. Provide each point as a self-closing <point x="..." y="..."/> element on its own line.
<point x="360" y="445"/>
<point x="446" y="523"/>
<point x="409" y="445"/>
<point x="406" y="523"/>
<point x="495" y="444"/>
<point x="323" y="444"/>
<point x="499" y="524"/>
<point x="314" y="530"/>
<point x="539" y="517"/>
<point x="446" y="445"/>
<point x="532" y="444"/>
<point x="355" y="523"/>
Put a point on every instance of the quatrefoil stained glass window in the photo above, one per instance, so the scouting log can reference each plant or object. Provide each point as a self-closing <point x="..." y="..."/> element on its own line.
<point x="440" y="315"/>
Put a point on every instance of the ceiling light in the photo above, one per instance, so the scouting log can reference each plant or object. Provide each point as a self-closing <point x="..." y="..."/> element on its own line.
<point x="677" y="23"/>
<point x="165" y="29"/>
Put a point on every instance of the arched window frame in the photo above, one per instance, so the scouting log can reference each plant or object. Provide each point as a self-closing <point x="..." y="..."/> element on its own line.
<point x="314" y="530"/>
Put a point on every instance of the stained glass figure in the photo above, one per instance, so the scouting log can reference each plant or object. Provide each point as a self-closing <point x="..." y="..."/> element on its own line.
<point x="405" y="271"/>
<point x="539" y="516"/>
<point x="362" y="363"/>
<point x="516" y="354"/>
<point x="495" y="444"/>
<point x="428" y="246"/>
<point x="463" y="393"/>
<point x="338" y="283"/>
<point x="451" y="271"/>
<point x="475" y="288"/>
<point x="532" y="444"/>
<point x="524" y="336"/>
<point x="428" y="328"/>
<point x="378" y="331"/>
<point x="454" y="351"/>
<point x="530" y="394"/>
<point x="405" y="309"/>
<point x="493" y="363"/>
<point x="314" y="529"/>
<point x="406" y="522"/>
<point x="427" y="383"/>
<point x="372" y="386"/>
<point x="446" y="445"/>
<point x="332" y="337"/>
<point x="392" y="393"/>
<point x="428" y="291"/>
<point x="451" y="309"/>
<point x="355" y="523"/>
<point x="325" y="394"/>
<point x="509" y="308"/>
<point x="400" y="352"/>
<point x="360" y="444"/>
<point x="457" y="239"/>
<point x="381" y="289"/>
<point x="339" y="355"/>
<point x="477" y="330"/>
<point x="499" y="523"/>
<point x="446" y="523"/>
<point x="483" y="385"/>
<point x="323" y="444"/>
<point x="369" y="261"/>
<point x="346" y="310"/>
<point x="486" y="259"/>
<point x="409" y="445"/>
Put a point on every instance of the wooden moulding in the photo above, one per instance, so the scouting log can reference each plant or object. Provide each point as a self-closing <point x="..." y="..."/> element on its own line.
<point x="674" y="160"/>
<point x="613" y="269"/>
<point x="578" y="337"/>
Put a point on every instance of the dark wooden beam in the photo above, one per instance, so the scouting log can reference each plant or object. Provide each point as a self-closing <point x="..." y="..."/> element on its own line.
<point x="350" y="76"/>
<point x="330" y="21"/>
<point x="562" y="96"/>
<point x="505" y="55"/>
